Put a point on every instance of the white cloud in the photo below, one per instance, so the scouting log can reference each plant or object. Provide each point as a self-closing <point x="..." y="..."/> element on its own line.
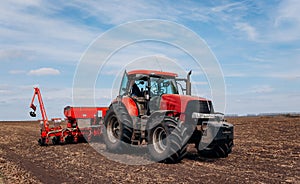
<point x="112" y="12"/>
<point x="31" y="34"/>
<point x="248" y="29"/>
<point x="228" y="7"/>
<point x="3" y="91"/>
<point x="286" y="26"/>
<point x="44" y="71"/>
<point x="11" y="54"/>
<point x="33" y="31"/>
<point x="288" y="10"/>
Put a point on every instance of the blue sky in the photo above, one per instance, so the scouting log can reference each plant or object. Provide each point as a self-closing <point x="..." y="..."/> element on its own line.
<point x="257" y="44"/>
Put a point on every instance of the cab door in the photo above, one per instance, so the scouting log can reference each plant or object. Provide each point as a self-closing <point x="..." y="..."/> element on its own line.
<point x="124" y="85"/>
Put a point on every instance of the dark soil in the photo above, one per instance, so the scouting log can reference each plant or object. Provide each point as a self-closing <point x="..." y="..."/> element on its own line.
<point x="267" y="150"/>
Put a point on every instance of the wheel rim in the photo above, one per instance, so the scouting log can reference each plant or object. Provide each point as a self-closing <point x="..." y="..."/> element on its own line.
<point x="113" y="130"/>
<point x="159" y="139"/>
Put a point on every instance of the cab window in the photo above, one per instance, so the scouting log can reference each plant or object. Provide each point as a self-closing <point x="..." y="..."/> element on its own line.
<point x="160" y="86"/>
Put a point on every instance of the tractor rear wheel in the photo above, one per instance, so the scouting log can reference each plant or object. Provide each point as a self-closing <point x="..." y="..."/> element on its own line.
<point x="166" y="141"/>
<point x="117" y="131"/>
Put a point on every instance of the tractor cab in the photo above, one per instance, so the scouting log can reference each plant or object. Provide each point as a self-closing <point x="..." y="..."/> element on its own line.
<point x="146" y="87"/>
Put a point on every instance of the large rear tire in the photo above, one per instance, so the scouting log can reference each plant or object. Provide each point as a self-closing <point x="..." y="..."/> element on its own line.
<point x="117" y="132"/>
<point x="165" y="141"/>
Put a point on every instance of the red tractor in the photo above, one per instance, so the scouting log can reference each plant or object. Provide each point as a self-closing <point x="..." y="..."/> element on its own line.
<point x="149" y="110"/>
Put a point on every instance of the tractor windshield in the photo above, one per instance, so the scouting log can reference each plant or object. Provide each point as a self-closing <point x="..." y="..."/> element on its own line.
<point x="139" y="85"/>
<point x="160" y="86"/>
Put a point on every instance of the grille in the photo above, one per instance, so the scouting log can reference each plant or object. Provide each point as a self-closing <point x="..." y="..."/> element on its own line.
<point x="205" y="107"/>
<point x="198" y="106"/>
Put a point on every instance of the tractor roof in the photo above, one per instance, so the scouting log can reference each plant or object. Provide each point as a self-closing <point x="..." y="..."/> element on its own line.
<point x="152" y="72"/>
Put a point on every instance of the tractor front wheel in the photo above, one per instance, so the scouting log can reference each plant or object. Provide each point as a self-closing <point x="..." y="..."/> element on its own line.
<point x="217" y="149"/>
<point x="166" y="141"/>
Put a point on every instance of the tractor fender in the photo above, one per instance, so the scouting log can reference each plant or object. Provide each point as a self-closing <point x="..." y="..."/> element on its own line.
<point x="156" y="118"/>
<point x="129" y="104"/>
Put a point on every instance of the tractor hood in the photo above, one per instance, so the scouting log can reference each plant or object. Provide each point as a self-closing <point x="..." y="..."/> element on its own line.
<point x="179" y="103"/>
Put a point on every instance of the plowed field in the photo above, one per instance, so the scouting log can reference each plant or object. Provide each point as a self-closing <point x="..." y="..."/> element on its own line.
<point x="267" y="150"/>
